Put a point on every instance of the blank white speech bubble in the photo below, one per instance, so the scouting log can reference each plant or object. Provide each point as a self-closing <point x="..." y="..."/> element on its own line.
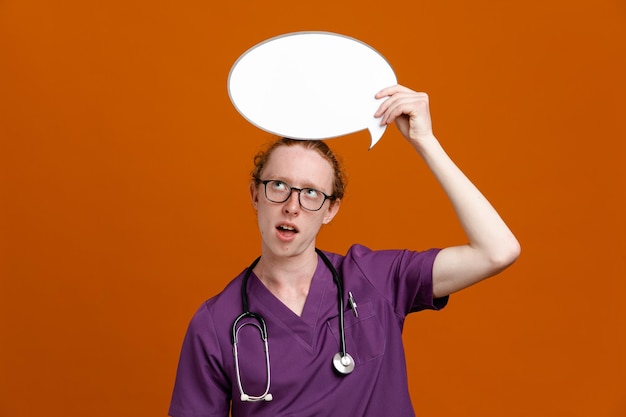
<point x="311" y="85"/>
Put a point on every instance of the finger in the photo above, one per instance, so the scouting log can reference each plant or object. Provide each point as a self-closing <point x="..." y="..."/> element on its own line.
<point x="399" y="106"/>
<point x="390" y="101"/>
<point x="391" y="90"/>
<point x="395" y="93"/>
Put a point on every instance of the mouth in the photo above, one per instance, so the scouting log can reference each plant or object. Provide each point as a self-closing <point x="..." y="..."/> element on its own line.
<point x="287" y="228"/>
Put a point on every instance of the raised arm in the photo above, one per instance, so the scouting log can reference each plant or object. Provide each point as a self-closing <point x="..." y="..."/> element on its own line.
<point x="492" y="246"/>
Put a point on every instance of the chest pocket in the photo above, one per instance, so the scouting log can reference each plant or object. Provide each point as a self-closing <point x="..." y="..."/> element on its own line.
<point x="365" y="337"/>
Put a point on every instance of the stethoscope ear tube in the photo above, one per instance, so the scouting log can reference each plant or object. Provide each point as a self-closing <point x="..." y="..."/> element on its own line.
<point x="260" y="325"/>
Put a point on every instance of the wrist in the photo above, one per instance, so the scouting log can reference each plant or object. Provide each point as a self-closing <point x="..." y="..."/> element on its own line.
<point x="425" y="142"/>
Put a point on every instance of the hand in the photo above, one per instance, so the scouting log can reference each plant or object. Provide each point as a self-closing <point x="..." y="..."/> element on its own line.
<point x="410" y="111"/>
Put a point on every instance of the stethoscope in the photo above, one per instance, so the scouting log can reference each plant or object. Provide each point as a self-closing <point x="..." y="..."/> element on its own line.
<point x="342" y="361"/>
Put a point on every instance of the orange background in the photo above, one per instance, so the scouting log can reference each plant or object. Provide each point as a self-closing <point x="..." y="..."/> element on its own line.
<point x="124" y="194"/>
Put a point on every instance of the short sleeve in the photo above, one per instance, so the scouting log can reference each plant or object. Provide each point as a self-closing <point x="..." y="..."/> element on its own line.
<point x="200" y="389"/>
<point x="404" y="278"/>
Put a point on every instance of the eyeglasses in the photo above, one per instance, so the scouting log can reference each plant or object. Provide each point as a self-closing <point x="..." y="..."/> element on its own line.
<point x="310" y="199"/>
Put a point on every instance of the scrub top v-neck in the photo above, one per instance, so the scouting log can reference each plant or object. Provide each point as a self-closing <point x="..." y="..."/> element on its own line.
<point x="302" y="326"/>
<point x="387" y="285"/>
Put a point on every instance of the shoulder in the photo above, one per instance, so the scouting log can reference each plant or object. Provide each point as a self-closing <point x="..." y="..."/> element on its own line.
<point x="355" y="252"/>
<point x="388" y="260"/>
<point x="221" y="308"/>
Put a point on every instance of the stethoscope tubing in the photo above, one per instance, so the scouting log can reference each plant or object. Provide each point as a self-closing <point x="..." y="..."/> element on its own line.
<point x="339" y="282"/>
<point x="247" y="313"/>
<point x="342" y="361"/>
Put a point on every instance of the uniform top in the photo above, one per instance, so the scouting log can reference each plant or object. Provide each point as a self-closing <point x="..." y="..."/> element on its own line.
<point x="387" y="285"/>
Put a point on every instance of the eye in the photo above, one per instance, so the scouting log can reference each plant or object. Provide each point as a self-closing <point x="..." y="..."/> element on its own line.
<point x="279" y="185"/>
<point x="311" y="193"/>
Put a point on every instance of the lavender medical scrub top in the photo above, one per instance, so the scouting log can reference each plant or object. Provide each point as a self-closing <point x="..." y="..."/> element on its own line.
<point x="387" y="285"/>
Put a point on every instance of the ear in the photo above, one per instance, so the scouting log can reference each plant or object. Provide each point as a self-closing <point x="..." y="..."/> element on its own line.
<point x="332" y="211"/>
<point x="254" y="194"/>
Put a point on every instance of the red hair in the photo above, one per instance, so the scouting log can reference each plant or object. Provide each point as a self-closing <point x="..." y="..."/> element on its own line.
<point x="339" y="183"/>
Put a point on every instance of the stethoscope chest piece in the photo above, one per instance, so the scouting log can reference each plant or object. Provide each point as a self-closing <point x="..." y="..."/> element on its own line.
<point x="343" y="364"/>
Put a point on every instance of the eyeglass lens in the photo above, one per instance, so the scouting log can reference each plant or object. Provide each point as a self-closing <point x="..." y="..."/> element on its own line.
<point x="279" y="192"/>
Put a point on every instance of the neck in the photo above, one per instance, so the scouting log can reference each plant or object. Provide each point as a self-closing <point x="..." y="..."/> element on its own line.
<point x="289" y="279"/>
<point x="288" y="271"/>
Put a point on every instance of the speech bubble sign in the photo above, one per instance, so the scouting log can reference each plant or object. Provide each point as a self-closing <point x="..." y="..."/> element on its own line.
<point x="311" y="85"/>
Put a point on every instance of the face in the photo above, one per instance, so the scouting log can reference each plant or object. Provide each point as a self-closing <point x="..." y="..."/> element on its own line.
<point x="286" y="228"/>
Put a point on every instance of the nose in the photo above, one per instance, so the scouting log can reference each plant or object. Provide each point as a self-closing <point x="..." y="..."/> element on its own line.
<point x="292" y="205"/>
